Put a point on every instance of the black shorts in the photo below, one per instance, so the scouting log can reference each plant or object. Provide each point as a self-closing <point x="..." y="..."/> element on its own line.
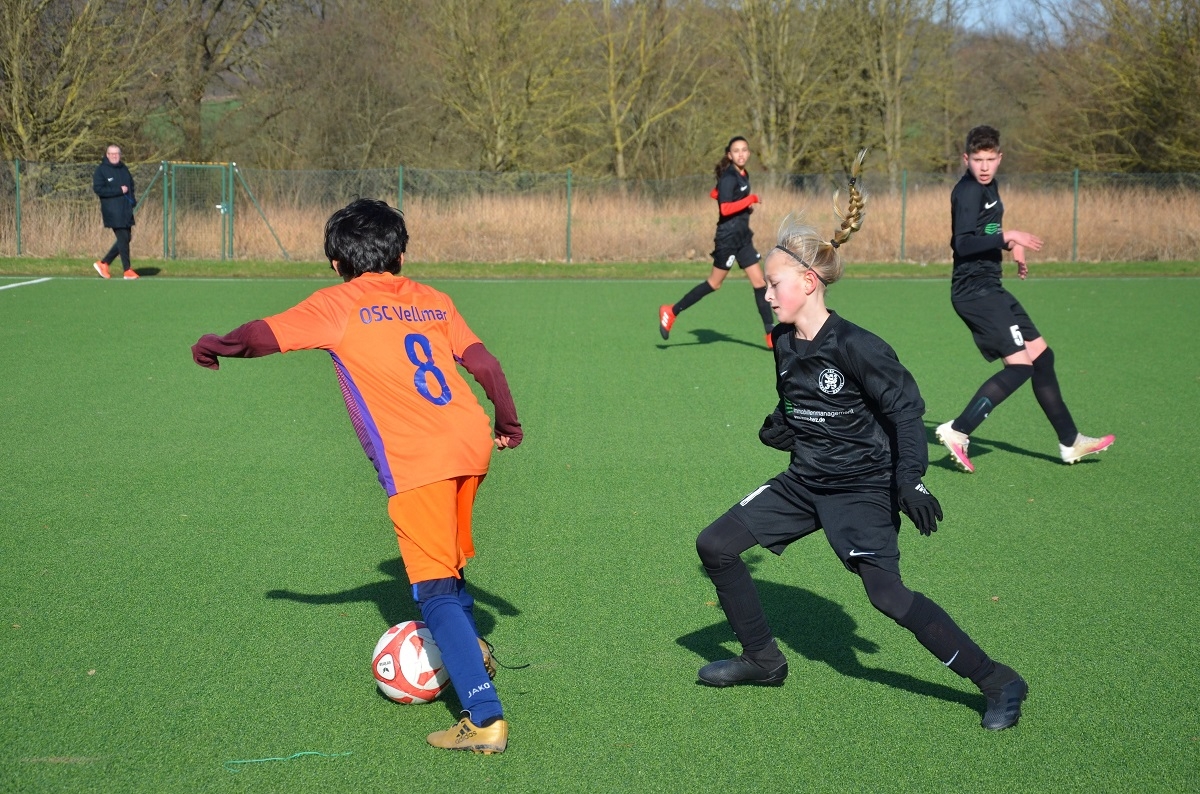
<point x="998" y="324"/>
<point x="861" y="526"/>
<point x="743" y="254"/>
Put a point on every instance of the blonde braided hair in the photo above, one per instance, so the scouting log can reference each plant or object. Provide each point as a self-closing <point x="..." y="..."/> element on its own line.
<point x="814" y="253"/>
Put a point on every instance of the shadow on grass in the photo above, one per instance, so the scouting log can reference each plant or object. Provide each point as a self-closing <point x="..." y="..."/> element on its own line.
<point x="146" y="271"/>
<point x="979" y="447"/>
<point x="393" y="598"/>
<point x="706" y="336"/>
<point x="820" y="630"/>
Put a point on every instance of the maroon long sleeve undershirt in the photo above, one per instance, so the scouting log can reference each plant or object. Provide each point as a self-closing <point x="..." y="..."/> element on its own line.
<point x="486" y="370"/>
<point x="251" y="340"/>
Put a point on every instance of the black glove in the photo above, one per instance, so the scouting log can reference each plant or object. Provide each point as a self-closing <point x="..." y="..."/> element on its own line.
<point x="921" y="507"/>
<point x="776" y="433"/>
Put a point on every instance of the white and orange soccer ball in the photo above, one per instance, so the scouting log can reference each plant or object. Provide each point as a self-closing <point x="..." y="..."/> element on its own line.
<point x="407" y="664"/>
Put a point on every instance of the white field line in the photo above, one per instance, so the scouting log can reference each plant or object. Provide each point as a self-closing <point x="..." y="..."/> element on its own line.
<point x="24" y="283"/>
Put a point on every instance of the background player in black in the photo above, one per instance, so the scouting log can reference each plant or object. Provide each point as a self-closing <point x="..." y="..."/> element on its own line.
<point x="733" y="241"/>
<point x="850" y="415"/>
<point x="998" y="322"/>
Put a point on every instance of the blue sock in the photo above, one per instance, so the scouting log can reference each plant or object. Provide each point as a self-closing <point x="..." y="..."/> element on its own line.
<point x="455" y="638"/>
<point x="467" y="601"/>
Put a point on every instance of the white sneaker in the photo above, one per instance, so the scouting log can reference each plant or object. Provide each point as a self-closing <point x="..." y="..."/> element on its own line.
<point x="957" y="443"/>
<point x="1084" y="445"/>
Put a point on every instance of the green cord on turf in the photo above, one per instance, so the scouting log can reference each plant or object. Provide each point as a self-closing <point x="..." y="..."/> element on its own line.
<point x="289" y="758"/>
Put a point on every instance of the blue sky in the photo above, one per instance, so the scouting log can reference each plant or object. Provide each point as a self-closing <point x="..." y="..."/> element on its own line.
<point x="995" y="13"/>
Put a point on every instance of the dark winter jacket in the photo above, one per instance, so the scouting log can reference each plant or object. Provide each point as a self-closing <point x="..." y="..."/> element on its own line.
<point x="115" y="206"/>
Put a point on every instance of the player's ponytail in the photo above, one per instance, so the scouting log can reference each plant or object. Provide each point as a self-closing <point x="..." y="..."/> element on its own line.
<point x="856" y="210"/>
<point x="815" y="253"/>
<point x="726" y="161"/>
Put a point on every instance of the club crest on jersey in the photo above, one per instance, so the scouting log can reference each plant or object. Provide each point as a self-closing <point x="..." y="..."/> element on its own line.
<point x="830" y="381"/>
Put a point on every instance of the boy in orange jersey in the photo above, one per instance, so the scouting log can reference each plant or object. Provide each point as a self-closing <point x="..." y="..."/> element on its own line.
<point x="394" y="345"/>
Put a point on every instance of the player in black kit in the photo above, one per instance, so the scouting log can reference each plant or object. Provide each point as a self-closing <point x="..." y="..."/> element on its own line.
<point x="733" y="241"/>
<point x="850" y="415"/>
<point x="998" y="322"/>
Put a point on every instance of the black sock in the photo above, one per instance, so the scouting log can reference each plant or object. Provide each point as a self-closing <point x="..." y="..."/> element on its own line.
<point x="743" y="610"/>
<point x="1049" y="396"/>
<point x="942" y="637"/>
<point x="994" y="391"/>
<point x="764" y="308"/>
<point x="992" y="683"/>
<point x="694" y="295"/>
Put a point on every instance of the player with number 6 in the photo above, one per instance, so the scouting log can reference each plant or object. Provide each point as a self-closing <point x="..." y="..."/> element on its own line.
<point x="395" y="344"/>
<point x="999" y="325"/>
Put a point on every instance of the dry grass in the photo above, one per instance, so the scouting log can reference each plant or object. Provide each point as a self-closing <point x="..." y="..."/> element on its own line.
<point x="1114" y="224"/>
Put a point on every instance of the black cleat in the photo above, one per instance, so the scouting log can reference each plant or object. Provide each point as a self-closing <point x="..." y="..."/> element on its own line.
<point x="741" y="670"/>
<point x="1004" y="703"/>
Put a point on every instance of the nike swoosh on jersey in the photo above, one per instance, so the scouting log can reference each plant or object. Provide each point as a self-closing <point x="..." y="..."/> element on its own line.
<point x="854" y="553"/>
<point x="989" y="206"/>
<point x="745" y="187"/>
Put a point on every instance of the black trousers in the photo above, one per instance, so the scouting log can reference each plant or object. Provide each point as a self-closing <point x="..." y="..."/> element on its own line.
<point x="121" y="246"/>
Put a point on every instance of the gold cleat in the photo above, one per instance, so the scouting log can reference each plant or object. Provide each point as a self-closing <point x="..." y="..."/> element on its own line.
<point x="466" y="736"/>
<point x="489" y="663"/>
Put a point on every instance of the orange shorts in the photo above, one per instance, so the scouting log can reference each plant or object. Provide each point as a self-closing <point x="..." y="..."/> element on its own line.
<point x="433" y="525"/>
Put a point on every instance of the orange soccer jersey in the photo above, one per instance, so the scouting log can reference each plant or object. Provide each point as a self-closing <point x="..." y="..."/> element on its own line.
<point x="395" y="344"/>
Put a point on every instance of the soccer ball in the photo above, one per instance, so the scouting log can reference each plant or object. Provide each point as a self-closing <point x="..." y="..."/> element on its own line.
<point x="407" y="664"/>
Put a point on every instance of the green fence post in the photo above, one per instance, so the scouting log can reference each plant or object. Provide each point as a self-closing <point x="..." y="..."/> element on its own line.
<point x="166" y="211"/>
<point x="229" y="205"/>
<point x="174" y="187"/>
<point x="568" y="216"/>
<point x="17" y="175"/>
<point x="1075" y="221"/>
<point x="400" y="188"/>
<point x="903" y="208"/>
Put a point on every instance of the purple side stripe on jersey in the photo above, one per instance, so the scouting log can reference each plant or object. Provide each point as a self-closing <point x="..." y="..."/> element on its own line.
<point x="364" y="426"/>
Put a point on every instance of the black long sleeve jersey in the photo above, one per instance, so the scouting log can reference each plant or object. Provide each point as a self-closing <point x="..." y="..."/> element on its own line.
<point x="856" y="411"/>
<point x="977" y="237"/>
<point x="731" y="187"/>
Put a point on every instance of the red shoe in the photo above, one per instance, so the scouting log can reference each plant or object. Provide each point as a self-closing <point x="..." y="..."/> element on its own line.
<point x="102" y="269"/>
<point x="666" y="318"/>
<point x="131" y="274"/>
<point x="770" y="344"/>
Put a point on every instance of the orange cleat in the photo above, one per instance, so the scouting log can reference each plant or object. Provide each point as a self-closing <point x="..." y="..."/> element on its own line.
<point x="666" y="318"/>
<point x="131" y="274"/>
<point x="102" y="269"/>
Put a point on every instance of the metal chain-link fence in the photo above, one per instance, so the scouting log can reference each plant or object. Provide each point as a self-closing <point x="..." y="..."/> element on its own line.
<point x="221" y="210"/>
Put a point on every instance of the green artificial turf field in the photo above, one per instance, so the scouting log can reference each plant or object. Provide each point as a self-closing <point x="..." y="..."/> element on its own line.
<point x="196" y="565"/>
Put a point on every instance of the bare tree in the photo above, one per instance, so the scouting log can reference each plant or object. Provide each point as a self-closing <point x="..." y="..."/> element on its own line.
<point x="365" y="103"/>
<point x="70" y="73"/>
<point x="506" y="70"/>
<point x="1121" y="86"/>
<point x="648" y="58"/>
<point x="788" y="61"/>
<point x="905" y="44"/>
<point x="214" y="39"/>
